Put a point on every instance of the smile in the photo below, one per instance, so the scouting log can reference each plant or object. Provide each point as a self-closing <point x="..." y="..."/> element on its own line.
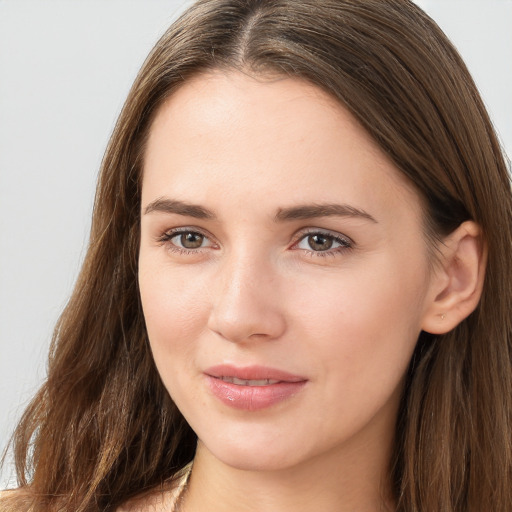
<point x="252" y="388"/>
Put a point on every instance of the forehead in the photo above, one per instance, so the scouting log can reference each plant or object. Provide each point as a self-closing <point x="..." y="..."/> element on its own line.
<point x="229" y="133"/>
<point x="243" y="105"/>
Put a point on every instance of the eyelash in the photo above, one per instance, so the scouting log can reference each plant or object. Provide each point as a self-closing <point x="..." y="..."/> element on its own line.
<point x="166" y="239"/>
<point x="345" y="243"/>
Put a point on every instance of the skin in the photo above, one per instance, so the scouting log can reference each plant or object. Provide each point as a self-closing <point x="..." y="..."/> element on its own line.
<point x="256" y="291"/>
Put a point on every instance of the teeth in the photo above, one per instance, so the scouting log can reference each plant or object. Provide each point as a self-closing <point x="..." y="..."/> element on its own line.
<point x="242" y="382"/>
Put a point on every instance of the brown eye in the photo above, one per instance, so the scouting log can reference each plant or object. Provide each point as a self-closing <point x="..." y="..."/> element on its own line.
<point x="190" y="240"/>
<point x="185" y="241"/>
<point x="324" y="242"/>
<point x="319" y="242"/>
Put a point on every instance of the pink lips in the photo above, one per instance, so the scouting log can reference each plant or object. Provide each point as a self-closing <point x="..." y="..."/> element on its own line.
<point x="253" y="387"/>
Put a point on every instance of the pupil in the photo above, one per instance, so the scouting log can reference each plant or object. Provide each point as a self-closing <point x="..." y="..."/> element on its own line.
<point x="320" y="242"/>
<point x="191" y="240"/>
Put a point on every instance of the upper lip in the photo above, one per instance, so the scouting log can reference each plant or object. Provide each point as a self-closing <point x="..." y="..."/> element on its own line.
<point x="252" y="373"/>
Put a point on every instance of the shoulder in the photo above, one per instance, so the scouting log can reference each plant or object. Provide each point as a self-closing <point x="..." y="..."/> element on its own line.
<point x="158" y="500"/>
<point x="15" y="500"/>
<point x="161" y="500"/>
<point x="155" y="501"/>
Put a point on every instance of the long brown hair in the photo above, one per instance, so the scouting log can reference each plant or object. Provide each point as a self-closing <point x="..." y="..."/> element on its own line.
<point x="103" y="428"/>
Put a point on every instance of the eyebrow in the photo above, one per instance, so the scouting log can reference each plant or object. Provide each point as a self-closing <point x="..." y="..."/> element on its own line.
<point x="301" y="212"/>
<point x="165" y="205"/>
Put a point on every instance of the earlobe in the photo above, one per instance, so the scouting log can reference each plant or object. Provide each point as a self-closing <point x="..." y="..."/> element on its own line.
<point x="458" y="280"/>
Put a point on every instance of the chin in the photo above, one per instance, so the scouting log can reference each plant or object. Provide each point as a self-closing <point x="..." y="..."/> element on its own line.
<point x="248" y="453"/>
<point x="257" y="460"/>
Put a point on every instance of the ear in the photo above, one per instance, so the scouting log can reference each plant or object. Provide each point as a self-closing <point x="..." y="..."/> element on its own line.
<point x="457" y="280"/>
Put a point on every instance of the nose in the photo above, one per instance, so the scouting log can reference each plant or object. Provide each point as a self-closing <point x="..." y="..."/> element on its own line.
<point x="246" y="302"/>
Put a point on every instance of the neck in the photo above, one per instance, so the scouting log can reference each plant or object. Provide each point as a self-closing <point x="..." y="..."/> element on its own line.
<point x="333" y="482"/>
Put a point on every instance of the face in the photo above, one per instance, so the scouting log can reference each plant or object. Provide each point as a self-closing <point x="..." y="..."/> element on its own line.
<point x="283" y="273"/>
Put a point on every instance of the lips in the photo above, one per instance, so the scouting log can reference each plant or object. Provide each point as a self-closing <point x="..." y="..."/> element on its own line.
<point x="252" y="388"/>
<point x="254" y="382"/>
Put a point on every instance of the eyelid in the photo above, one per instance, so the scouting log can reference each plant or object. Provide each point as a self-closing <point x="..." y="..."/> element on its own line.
<point x="346" y="242"/>
<point x="169" y="234"/>
<point x="321" y="231"/>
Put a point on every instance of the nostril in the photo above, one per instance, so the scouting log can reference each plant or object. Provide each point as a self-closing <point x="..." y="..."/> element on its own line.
<point x="249" y="324"/>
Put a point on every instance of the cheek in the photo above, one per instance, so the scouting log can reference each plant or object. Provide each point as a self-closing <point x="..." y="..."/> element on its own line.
<point x="365" y="324"/>
<point x="174" y="320"/>
<point x="175" y="311"/>
<point x="382" y="293"/>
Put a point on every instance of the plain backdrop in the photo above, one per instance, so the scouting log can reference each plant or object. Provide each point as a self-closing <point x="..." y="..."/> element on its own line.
<point x="65" y="69"/>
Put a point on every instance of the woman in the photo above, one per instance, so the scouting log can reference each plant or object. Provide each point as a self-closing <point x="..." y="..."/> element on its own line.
<point x="298" y="279"/>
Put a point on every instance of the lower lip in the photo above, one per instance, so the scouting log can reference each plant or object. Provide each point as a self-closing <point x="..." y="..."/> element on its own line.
<point x="252" y="398"/>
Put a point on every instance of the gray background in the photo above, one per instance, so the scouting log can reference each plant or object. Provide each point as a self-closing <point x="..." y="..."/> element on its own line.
<point x="65" y="69"/>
